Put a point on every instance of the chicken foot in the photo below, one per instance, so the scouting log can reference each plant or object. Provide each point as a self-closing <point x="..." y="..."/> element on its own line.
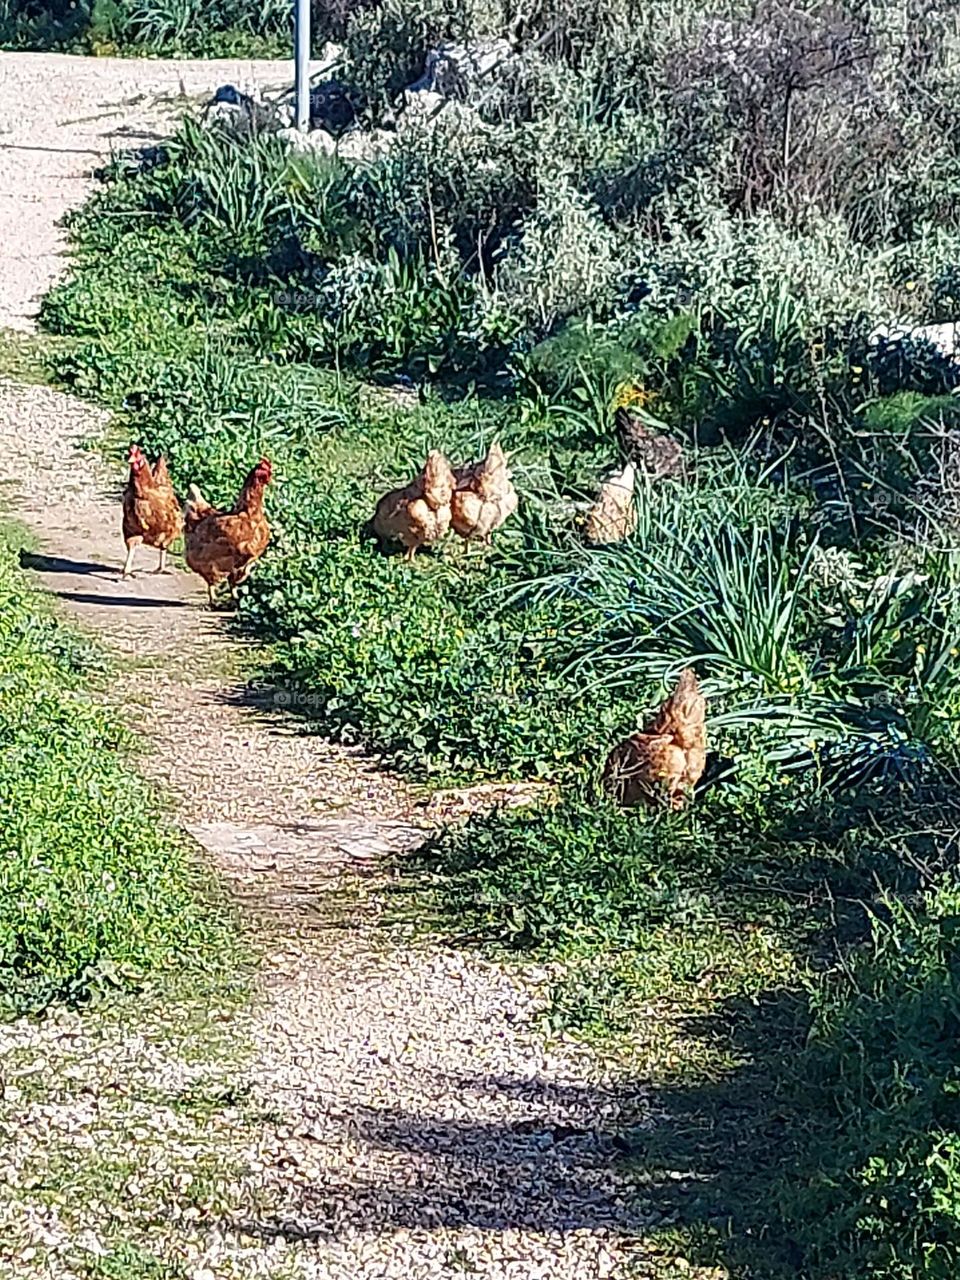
<point x="162" y="566"/>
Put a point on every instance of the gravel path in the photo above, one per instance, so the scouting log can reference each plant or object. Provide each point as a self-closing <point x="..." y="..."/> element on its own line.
<point x="61" y="116"/>
<point x="386" y="1108"/>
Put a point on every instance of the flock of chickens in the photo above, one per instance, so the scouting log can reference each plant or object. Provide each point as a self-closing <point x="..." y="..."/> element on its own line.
<point x="477" y="498"/>
<point x="474" y="500"/>
<point x="660" y="765"/>
<point x="220" y="546"/>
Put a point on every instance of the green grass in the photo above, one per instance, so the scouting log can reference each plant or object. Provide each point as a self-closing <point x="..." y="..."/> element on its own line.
<point x="97" y="889"/>
<point x="127" y="1261"/>
<point x="24" y="357"/>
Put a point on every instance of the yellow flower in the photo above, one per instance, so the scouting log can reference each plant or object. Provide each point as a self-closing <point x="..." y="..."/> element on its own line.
<point x="856" y="368"/>
<point x="632" y="393"/>
<point x="909" y="285"/>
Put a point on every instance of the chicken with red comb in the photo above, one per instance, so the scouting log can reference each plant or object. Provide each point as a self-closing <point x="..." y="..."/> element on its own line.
<point x="223" y="546"/>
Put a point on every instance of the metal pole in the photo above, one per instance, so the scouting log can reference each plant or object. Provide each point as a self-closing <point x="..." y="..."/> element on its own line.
<point x="302" y="55"/>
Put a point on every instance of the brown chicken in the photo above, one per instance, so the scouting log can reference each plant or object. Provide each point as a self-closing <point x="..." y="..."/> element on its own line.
<point x="484" y="498"/>
<point x="613" y="516"/>
<point x="419" y="514"/>
<point x="151" y="512"/>
<point x="660" y="456"/>
<point x="223" y="546"/>
<point x="666" y="761"/>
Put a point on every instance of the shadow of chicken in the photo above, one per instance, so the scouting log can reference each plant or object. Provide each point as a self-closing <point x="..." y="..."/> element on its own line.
<point x="663" y="764"/>
<point x="223" y="546"/>
<point x="613" y="516"/>
<point x="659" y="456"/>
<point x="417" y="515"/>
<point x="484" y="498"/>
<point x="151" y="512"/>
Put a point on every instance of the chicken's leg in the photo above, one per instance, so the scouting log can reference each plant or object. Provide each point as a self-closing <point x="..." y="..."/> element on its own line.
<point x="162" y="566"/>
<point x="213" y="604"/>
<point x="132" y="545"/>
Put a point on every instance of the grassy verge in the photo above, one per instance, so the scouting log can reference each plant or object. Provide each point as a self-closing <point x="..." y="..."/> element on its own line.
<point x="24" y="356"/>
<point x="97" y="890"/>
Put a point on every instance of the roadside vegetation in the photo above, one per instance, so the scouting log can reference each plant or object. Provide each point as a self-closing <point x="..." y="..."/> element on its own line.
<point x="706" y="217"/>
<point x="97" y="891"/>
<point x="226" y="28"/>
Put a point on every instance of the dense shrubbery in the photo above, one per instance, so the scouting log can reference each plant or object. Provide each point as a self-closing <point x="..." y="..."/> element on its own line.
<point x="706" y="214"/>
<point x="218" y="28"/>
<point x="94" y="889"/>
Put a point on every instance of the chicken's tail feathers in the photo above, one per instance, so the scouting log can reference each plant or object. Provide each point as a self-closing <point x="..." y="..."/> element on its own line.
<point x="196" y="507"/>
<point x="367" y="532"/>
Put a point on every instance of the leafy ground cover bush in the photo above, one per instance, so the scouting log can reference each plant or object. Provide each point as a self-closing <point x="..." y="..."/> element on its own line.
<point x="95" y="891"/>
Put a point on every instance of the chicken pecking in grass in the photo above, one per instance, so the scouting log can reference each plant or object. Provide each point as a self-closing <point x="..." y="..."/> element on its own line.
<point x="613" y="516"/>
<point x="663" y="763"/>
<point x="418" y="515"/>
<point x="659" y="456"/>
<point x="484" y="498"/>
